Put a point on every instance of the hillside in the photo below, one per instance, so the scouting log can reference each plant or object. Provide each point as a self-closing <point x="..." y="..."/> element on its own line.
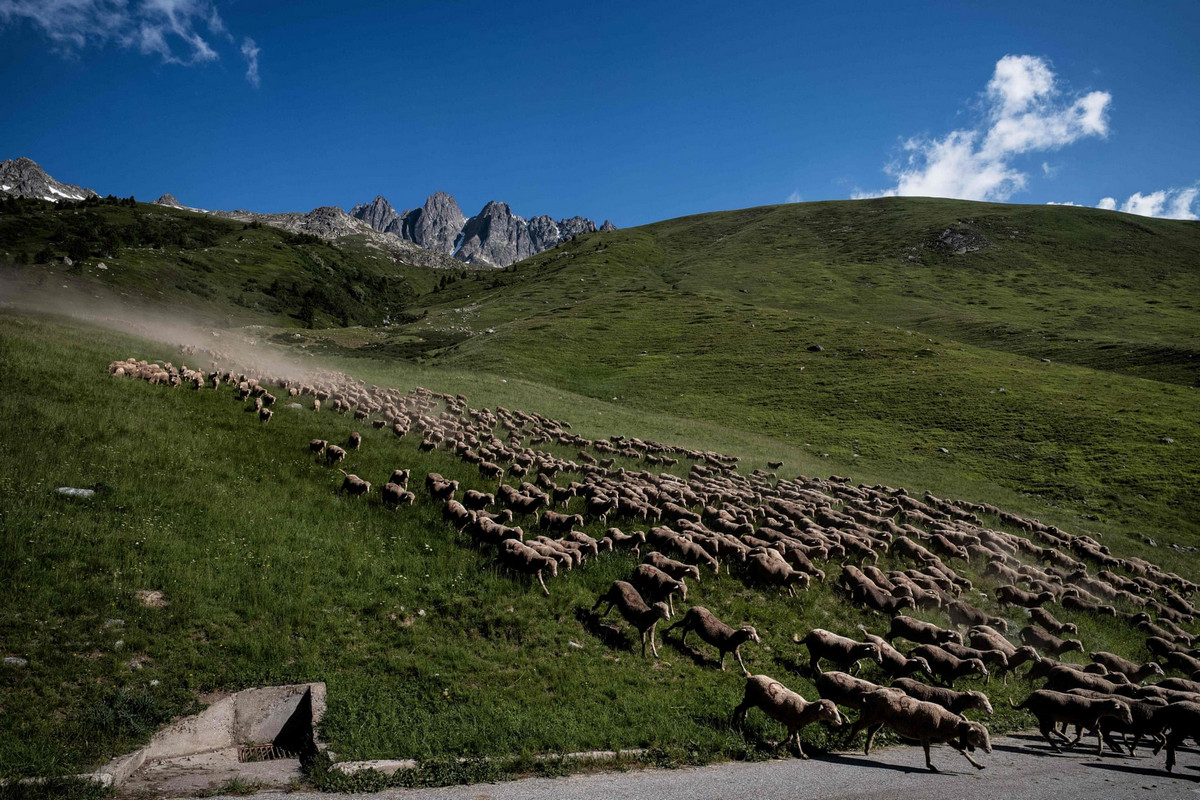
<point x="700" y="333"/>
<point x="1054" y="355"/>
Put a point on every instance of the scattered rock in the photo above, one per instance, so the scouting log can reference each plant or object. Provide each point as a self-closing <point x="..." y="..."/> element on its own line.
<point x="575" y="644"/>
<point x="114" y="622"/>
<point x="295" y="406"/>
<point x="69" y="491"/>
<point x="943" y="450"/>
<point x="152" y="598"/>
<point x="1045" y="361"/>
<point x="14" y="661"/>
<point x="1164" y="440"/>
<point x="815" y="348"/>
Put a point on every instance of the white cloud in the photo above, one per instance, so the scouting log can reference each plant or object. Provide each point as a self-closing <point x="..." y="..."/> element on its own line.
<point x="795" y="197"/>
<point x="1024" y="112"/>
<point x="1167" y="203"/>
<point x="1068" y="203"/>
<point x="250" y="52"/>
<point x="177" y="31"/>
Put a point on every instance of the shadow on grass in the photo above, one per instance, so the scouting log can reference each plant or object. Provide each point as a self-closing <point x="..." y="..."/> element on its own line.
<point x="698" y="658"/>
<point x="609" y="635"/>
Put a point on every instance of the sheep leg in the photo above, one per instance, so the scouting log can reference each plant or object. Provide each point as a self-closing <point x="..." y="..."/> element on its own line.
<point x="738" y="717"/>
<point x="967" y="755"/>
<point x="1045" y="728"/>
<point x="1172" y="741"/>
<point x="653" y="648"/>
<point x="794" y="738"/>
<point x="737" y="653"/>
<point x="543" y="583"/>
<point x="928" y="763"/>
<point x="871" y="737"/>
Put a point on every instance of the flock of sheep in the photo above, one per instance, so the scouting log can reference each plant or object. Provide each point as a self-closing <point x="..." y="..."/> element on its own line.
<point x="784" y="535"/>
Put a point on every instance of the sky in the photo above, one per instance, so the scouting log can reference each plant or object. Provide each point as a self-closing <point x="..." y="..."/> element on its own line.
<point x="634" y="112"/>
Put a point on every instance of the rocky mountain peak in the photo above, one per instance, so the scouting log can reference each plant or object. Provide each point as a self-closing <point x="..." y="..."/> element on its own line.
<point x="495" y="236"/>
<point x="23" y="177"/>
<point x="607" y="226"/>
<point x="379" y="214"/>
<point x="168" y="199"/>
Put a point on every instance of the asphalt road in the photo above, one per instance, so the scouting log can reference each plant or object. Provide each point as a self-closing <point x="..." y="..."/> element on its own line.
<point x="1020" y="766"/>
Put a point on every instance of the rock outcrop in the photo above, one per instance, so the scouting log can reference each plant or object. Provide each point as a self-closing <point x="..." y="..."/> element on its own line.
<point x="494" y="237"/>
<point x="22" y="177"/>
<point x="168" y="199"/>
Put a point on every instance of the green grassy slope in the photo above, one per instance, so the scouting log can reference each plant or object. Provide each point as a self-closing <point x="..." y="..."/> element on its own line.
<point x="711" y="317"/>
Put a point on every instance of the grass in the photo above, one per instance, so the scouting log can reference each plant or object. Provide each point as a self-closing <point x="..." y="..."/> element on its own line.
<point x="270" y="577"/>
<point x="428" y="651"/>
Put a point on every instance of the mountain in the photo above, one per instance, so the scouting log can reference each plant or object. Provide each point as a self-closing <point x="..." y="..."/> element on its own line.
<point x="494" y="237"/>
<point x="168" y="199"/>
<point x="23" y="177"/>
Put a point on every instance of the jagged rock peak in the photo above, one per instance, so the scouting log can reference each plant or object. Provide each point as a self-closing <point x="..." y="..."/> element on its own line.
<point x="495" y="236"/>
<point x="379" y="214"/>
<point x="24" y="178"/>
<point x="607" y="226"/>
<point x="168" y="199"/>
<point x="435" y="225"/>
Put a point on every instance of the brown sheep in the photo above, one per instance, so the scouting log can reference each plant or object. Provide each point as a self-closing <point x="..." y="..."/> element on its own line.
<point x="1051" y="708"/>
<point x="949" y="668"/>
<point x="656" y="585"/>
<point x="560" y="523"/>
<point x="394" y="495"/>
<point x="635" y="610"/>
<point x="965" y="614"/>
<point x="714" y="632"/>
<point x="264" y="415"/>
<point x="843" y="688"/>
<point x="317" y="446"/>
<point x="925" y="722"/>
<point x="894" y="663"/>
<point x="1135" y="672"/>
<point x="1048" y="642"/>
<point x="958" y="702"/>
<point x="477" y="501"/>
<point x="400" y="478"/>
<point x="1183" y="720"/>
<point x="1010" y="595"/>
<point x="355" y="441"/>
<point x="783" y="705"/>
<point x="1047" y="620"/>
<point x="619" y="540"/>
<point x="775" y="571"/>
<point x="916" y="630"/>
<point x="676" y="569"/>
<point x="353" y="485"/>
<point x="841" y="650"/>
<point x="519" y="557"/>
<point x="442" y="490"/>
<point x="334" y="454"/>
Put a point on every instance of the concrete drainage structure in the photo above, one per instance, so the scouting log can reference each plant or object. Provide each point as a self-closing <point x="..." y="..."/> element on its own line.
<point x="275" y="723"/>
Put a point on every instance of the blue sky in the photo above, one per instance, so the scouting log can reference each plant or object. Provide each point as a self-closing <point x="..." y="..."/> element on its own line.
<point x="631" y="111"/>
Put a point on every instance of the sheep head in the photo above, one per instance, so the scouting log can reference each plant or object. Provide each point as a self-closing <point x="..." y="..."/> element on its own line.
<point x="827" y="711"/>
<point x="1120" y="710"/>
<point x="950" y="636"/>
<point x="981" y="701"/>
<point x="662" y="610"/>
<point x="750" y="634"/>
<point x="1072" y="644"/>
<point x="978" y="667"/>
<point x="972" y="735"/>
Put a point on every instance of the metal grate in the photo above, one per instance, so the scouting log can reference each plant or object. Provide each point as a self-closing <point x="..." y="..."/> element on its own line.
<point x="262" y="752"/>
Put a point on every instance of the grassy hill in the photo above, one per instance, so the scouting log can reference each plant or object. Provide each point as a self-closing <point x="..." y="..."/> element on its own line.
<point x="695" y="332"/>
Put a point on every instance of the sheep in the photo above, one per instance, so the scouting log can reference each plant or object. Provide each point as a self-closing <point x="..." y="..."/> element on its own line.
<point x="925" y="722"/>
<point x="457" y="514"/>
<point x="1044" y="618"/>
<point x="1183" y="721"/>
<point x="783" y="705"/>
<point x="560" y="523"/>
<point x="1143" y="713"/>
<point x="1048" y="642"/>
<point x="714" y="632"/>
<point x="394" y="495"/>
<point x="676" y="569"/>
<point x="1136" y="673"/>
<point x="619" y="540"/>
<point x="334" y="454"/>
<point x="635" y="610"/>
<point x="655" y="585"/>
<point x="400" y="478"/>
<point x="994" y="659"/>
<point x="264" y="415"/>
<point x="353" y="485"/>
<point x="894" y="663"/>
<point x="317" y="446"/>
<point x="949" y="668"/>
<point x="1062" y="678"/>
<point x="1010" y="595"/>
<point x="774" y="570"/>
<point x="518" y="556"/>
<point x="442" y="490"/>
<point x="477" y="501"/>
<point x="1052" y="707"/>
<point x="965" y="614"/>
<point x="958" y="702"/>
<point x="842" y="651"/>
<point x="843" y="688"/>
<point x="490" y="471"/>
<point x="354" y="442"/>
<point x="696" y="554"/>
<point x="921" y="632"/>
